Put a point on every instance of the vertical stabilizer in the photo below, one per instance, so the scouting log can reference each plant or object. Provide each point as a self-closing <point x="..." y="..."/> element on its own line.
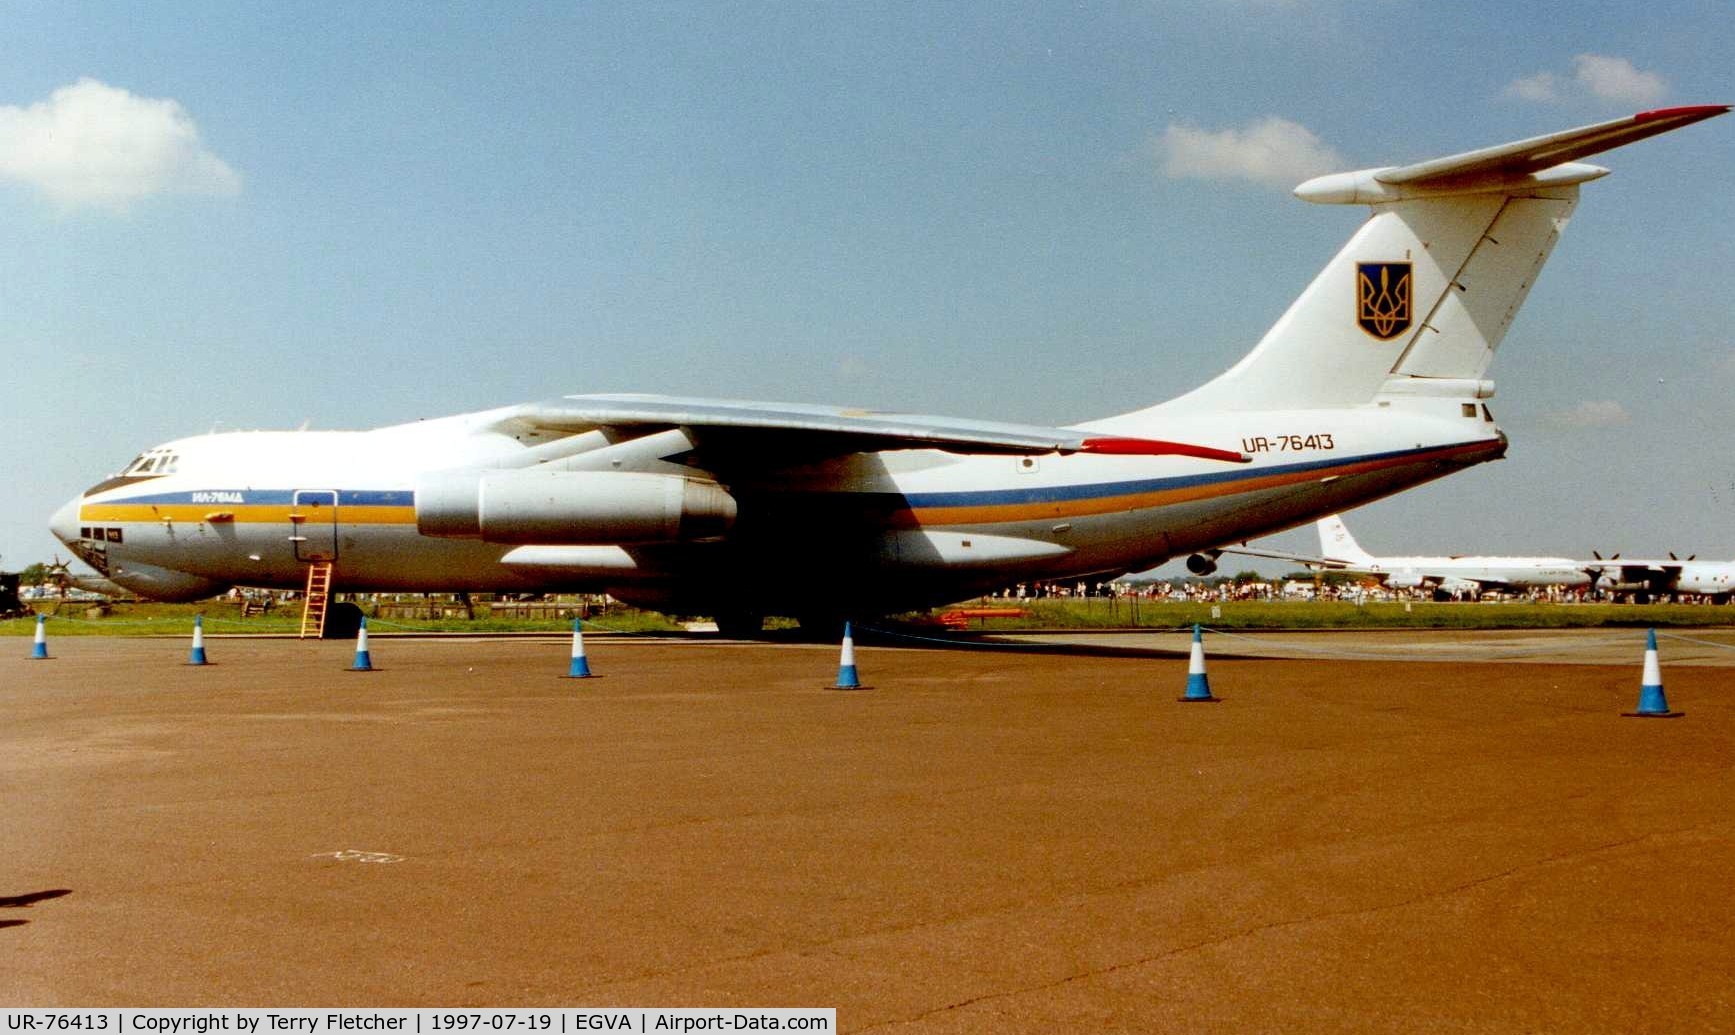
<point x="1424" y="292"/>
<point x="1335" y="543"/>
<point x="1426" y="287"/>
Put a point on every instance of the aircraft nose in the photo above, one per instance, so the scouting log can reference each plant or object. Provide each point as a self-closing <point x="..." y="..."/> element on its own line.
<point x="64" y="523"/>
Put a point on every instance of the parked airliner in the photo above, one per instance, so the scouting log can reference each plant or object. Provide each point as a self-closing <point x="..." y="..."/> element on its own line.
<point x="1370" y="383"/>
<point x="1446" y="575"/>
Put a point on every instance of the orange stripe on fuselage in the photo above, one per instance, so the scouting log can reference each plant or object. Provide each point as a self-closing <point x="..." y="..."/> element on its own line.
<point x="243" y="514"/>
<point x="998" y="513"/>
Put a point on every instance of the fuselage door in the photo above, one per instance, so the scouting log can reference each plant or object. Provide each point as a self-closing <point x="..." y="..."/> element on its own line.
<point x="313" y="524"/>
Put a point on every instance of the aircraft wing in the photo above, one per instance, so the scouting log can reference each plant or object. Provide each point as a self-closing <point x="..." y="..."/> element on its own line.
<point x="826" y="430"/>
<point x="1658" y="574"/>
<point x="1328" y="563"/>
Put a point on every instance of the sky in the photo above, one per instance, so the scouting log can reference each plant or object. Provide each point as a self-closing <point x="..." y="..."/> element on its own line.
<point x="232" y="215"/>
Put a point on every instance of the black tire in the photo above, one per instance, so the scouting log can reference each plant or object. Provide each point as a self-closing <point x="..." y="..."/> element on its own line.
<point x="342" y="622"/>
<point x="818" y="628"/>
<point x="740" y="625"/>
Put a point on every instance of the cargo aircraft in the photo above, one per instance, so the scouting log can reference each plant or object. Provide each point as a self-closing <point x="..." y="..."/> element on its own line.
<point x="1646" y="578"/>
<point x="1443" y="575"/>
<point x="1371" y="382"/>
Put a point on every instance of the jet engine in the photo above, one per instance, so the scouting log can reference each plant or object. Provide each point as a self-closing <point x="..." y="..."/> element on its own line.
<point x="1204" y="562"/>
<point x="1405" y="580"/>
<point x="580" y="507"/>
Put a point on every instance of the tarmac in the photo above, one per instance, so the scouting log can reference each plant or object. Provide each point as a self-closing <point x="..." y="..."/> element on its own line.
<point x="1592" y="646"/>
<point x="987" y="840"/>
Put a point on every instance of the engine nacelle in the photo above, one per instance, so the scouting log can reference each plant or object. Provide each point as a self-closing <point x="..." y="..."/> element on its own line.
<point x="1204" y="562"/>
<point x="584" y="507"/>
<point x="1405" y="580"/>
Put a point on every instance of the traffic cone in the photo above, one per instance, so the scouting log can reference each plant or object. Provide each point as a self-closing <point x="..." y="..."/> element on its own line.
<point x="197" y="657"/>
<point x="39" y="648"/>
<point x="1652" y="703"/>
<point x="846" y="674"/>
<point x="363" y="662"/>
<point x="1198" y="684"/>
<point x="580" y="667"/>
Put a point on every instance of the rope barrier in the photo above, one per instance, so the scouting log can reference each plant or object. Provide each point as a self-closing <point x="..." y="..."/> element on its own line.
<point x="1694" y="639"/>
<point x="290" y="624"/>
<point x="1483" y="649"/>
<point x="1453" y="651"/>
<point x="1479" y="648"/>
<point x="974" y="644"/>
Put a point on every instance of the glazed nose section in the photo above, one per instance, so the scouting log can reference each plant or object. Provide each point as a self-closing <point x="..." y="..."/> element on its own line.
<point x="64" y="523"/>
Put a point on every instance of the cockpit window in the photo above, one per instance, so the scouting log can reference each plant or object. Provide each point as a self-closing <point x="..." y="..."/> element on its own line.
<point x="154" y="462"/>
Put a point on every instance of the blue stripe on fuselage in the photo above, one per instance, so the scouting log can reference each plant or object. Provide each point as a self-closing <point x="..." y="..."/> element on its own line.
<point x="279" y="497"/>
<point x="1094" y="490"/>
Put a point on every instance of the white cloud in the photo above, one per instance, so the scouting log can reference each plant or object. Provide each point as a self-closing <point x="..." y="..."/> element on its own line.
<point x="1269" y="150"/>
<point x="1592" y="413"/>
<point x="91" y="144"/>
<point x="1615" y="79"/>
<point x="1543" y="88"/>
<point x="1596" y="76"/>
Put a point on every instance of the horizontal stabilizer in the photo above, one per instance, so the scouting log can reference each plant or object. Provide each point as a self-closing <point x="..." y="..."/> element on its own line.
<point x="1548" y="161"/>
<point x="1524" y="157"/>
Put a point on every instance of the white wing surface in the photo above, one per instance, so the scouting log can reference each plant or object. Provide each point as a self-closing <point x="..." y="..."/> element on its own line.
<point x="837" y="430"/>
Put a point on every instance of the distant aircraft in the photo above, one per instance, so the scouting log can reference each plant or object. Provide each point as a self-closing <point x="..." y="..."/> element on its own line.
<point x="1443" y="575"/>
<point x="1646" y="578"/>
<point x="60" y="574"/>
<point x="1371" y="382"/>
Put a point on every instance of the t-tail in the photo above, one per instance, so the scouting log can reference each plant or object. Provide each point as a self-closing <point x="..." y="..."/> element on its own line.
<point x="1421" y="296"/>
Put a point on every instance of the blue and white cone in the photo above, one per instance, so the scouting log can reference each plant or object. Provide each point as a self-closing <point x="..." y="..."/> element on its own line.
<point x="1652" y="703"/>
<point x="580" y="667"/>
<point x="1198" y="684"/>
<point x="39" y="649"/>
<point x="197" y="657"/>
<point x="846" y="674"/>
<point x="363" y="662"/>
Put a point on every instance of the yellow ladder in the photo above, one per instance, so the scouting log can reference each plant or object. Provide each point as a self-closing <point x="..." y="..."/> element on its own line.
<point x="318" y="595"/>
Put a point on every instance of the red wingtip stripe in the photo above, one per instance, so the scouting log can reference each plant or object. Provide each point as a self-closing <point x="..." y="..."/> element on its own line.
<point x="1114" y="446"/>
<point x="1700" y="110"/>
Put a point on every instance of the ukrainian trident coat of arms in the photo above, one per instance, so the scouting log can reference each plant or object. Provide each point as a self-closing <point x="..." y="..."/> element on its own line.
<point x="1382" y="298"/>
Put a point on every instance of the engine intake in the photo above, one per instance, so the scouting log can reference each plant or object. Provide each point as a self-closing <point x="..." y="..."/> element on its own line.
<point x="583" y="507"/>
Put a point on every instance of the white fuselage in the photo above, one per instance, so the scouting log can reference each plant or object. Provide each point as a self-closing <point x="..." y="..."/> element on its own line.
<point x="884" y="530"/>
<point x="1484" y="572"/>
<point x="1704" y="578"/>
